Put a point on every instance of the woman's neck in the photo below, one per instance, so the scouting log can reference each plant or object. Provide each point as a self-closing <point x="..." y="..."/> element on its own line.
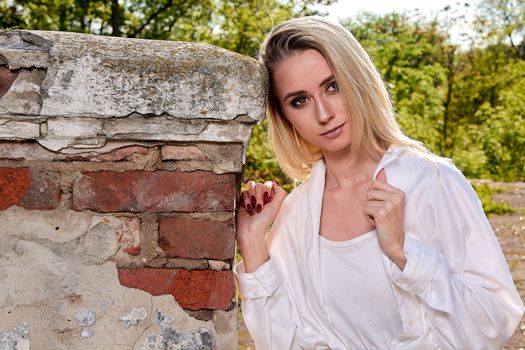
<point x="346" y="169"/>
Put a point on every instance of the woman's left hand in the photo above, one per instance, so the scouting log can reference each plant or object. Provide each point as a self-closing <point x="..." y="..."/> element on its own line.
<point x="384" y="208"/>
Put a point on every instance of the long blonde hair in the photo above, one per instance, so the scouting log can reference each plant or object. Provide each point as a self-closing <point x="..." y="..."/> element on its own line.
<point x="368" y="104"/>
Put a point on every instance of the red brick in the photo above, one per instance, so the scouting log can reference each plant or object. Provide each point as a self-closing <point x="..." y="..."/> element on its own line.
<point x="203" y="289"/>
<point x="195" y="289"/>
<point x="194" y="238"/>
<point x="44" y="192"/>
<point x="7" y="77"/>
<point x="153" y="281"/>
<point x="14" y="183"/>
<point x="159" y="191"/>
<point x="122" y="153"/>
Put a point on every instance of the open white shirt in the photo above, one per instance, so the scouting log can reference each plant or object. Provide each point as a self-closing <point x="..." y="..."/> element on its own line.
<point x="455" y="292"/>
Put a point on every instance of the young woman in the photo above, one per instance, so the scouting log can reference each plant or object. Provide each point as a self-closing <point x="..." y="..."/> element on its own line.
<point x="384" y="245"/>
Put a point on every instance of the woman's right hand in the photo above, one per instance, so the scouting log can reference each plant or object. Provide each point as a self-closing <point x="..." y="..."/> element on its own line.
<point x="260" y="203"/>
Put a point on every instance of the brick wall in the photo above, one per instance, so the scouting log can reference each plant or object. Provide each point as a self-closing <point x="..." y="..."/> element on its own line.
<point x="120" y="165"/>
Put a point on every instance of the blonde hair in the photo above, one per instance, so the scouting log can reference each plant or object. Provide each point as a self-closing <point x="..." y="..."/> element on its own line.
<point x="368" y="104"/>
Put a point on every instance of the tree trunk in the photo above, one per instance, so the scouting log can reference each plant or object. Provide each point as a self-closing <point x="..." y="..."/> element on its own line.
<point x="115" y="18"/>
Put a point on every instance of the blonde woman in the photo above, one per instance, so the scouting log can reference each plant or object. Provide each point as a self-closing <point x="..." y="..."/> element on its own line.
<point x="383" y="245"/>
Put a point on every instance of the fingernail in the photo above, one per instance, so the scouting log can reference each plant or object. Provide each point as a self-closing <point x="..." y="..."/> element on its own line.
<point x="277" y="182"/>
<point x="259" y="208"/>
<point x="249" y="207"/>
<point x="266" y="197"/>
<point x="253" y="201"/>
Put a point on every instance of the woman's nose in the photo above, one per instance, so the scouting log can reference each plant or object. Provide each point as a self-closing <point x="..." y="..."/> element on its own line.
<point x="324" y="111"/>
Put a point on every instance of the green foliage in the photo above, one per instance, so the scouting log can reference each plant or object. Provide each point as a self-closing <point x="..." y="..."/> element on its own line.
<point x="236" y="25"/>
<point x="485" y="193"/>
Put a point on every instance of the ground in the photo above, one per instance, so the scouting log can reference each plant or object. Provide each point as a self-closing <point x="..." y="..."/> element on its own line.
<point x="510" y="231"/>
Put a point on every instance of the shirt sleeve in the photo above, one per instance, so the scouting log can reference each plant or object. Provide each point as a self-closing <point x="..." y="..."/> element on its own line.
<point x="266" y="307"/>
<point x="456" y="268"/>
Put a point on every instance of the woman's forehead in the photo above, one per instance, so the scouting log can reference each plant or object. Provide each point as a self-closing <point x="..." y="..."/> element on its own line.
<point x="302" y="70"/>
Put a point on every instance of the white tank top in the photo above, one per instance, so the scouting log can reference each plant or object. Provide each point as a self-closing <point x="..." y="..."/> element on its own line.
<point x="357" y="293"/>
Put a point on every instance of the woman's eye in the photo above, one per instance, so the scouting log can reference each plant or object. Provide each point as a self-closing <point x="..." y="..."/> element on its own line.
<point x="332" y="87"/>
<point x="299" y="101"/>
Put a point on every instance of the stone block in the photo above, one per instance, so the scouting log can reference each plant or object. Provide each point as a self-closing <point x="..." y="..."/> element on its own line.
<point x="100" y="241"/>
<point x="72" y="132"/>
<point x="195" y="289"/>
<point x="171" y="152"/>
<point x="107" y="76"/>
<point x="13" y="130"/>
<point x="197" y="238"/>
<point x="24" y="95"/>
<point x="122" y="154"/>
<point x="26" y="151"/>
<point x="159" y="191"/>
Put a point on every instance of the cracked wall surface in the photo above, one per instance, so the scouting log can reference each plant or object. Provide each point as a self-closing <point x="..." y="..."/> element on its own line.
<point x="120" y="165"/>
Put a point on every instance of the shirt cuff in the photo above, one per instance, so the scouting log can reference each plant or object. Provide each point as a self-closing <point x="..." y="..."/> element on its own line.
<point x="422" y="261"/>
<point x="261" y="283"/>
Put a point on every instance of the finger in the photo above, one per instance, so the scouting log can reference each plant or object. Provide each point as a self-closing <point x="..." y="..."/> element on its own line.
<point x="383" y="186"/>
<point x="246" y="202"/>
<point x="250" y="187"/>
<point x="379" y="210"/>
<point x="367" y="212"/>
<point x="259" y="197"/>
<point x="381" y="176"/>
<point x="267" y="194"/>
<point x="278" y="190"/>
<point x="377" y="195"/>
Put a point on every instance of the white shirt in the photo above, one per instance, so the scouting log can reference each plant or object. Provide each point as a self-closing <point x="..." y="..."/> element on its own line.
<point x="358" y="294"/>
<point x="455" y="292"/>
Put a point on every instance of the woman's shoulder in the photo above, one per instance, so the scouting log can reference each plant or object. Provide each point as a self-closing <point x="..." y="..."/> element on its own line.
<point x="411" y="168"/>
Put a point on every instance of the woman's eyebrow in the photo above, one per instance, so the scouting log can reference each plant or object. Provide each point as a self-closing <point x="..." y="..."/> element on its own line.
<point x="293" y="93"/>
<point x="326" y="80"/>
<point x="299" y="92"/>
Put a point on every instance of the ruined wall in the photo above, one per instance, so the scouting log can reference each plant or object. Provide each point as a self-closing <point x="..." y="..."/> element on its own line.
<point x="120" y="163"/>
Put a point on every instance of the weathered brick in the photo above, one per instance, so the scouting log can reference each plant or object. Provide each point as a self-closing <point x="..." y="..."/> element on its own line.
<point x="171" y="152"/>
<point x="197" y="238"/>
<point x="122" y="153"/>
<point x="130" y="235"/>
<point x="203" y="289"/>
<point x="44" y="192"/>
<point x="14" y="183"/>
<point x="7" y="77"/>
<point x="195" y="289"/>
<point x="26" y="151"/>
<point x="159" y="191"/>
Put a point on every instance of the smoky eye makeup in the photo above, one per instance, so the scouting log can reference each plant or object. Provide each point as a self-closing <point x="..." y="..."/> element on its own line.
<point x="298" y="101"/>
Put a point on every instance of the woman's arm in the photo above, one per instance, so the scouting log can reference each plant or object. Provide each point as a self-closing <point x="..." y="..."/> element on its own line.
<point x="456" y="268"/>
<point x="265" y="303"/>
<point x="266" y="307"/>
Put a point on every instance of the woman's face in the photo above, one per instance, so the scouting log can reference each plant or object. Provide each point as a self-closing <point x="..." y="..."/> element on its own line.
<point x="309" y="98"/>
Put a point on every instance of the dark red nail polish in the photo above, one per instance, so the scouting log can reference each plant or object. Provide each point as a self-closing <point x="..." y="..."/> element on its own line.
<point x="253" y="201"/>
<point x="249" y="207"/>
<point x="266" y="197"/>
<point x="277" y="182"/>
<point x="259" y="208"/>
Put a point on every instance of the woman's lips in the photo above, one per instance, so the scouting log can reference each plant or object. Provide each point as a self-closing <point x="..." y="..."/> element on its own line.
<point x="334" y="132"/>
